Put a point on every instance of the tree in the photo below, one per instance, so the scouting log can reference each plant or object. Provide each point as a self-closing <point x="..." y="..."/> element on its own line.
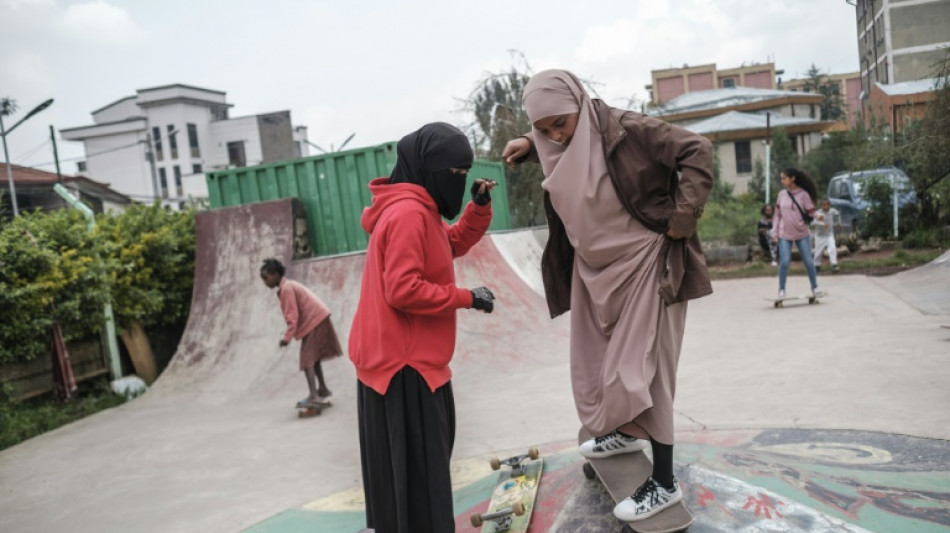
<point x="828" y="159"/>
<point x="499" y="116"/>
<point x="924" y="150"/>
<point x="783" y="155"/>
<point x="832" y="107"/>
<point x="757" y="183"/>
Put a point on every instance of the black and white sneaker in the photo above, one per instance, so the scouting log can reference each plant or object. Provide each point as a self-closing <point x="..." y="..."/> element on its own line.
<point x="612" y="443"/>
<point x="647" y="501"/>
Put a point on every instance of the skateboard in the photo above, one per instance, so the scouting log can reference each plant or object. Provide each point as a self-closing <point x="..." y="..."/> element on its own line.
<point x="309" y="410"/>
<point x="512" y="501"/>
<point x="780" y="302"/>
<point x="622" y="475"/>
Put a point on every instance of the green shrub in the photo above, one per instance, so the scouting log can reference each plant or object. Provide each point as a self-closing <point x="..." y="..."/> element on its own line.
<point x="52" y="269"/>
<point x="926" y="238"/>
<point x="730" y="221"/>
<point x="150" y="253"/>
<point x="48" y="273"/>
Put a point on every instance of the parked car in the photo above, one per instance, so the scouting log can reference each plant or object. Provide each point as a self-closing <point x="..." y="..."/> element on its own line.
<point x="846" y="193"/>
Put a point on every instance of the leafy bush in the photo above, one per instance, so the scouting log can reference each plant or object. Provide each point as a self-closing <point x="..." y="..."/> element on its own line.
<point x="729" y="220"/>
<point x="927" y="238"/>
<point x="48" y="273"/>
<point x="52" y="269"/>
<point x="878" y="217"/>
<point x="150" y="252"/>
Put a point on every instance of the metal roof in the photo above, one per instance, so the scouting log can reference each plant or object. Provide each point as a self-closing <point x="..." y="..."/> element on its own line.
<point x="721" y="98"/>
<point x="736" y="120"/>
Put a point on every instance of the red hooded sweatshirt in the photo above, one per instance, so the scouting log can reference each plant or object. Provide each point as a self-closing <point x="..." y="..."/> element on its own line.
<point x="408" y="298"/>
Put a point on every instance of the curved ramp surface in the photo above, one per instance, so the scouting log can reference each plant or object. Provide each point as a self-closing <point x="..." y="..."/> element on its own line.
<point x="926" y="288"/>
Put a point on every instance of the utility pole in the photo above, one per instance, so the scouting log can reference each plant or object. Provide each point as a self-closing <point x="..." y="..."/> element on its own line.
<point x="52" y="136"/>
<point x="768" y="158"/>
<point x="6" y="155"/>
<point x="150" y="157"/>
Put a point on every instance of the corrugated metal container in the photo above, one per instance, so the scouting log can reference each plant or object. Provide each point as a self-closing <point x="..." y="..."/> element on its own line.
<point x="333" y="189"/>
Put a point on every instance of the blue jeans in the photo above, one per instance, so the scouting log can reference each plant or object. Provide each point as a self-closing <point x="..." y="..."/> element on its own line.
<point x="785" y="257"/>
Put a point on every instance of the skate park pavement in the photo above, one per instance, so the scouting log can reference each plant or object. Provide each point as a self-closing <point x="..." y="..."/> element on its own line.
<point x="829" y="417"/>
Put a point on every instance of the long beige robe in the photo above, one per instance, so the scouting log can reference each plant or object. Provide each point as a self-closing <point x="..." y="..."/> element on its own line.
<point x="625" y="341"/>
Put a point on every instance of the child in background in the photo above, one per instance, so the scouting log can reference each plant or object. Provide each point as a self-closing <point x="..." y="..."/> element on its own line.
<point x="824" y="224"/>
<point x="765" y="233"/>
<point x="308" y="319"/>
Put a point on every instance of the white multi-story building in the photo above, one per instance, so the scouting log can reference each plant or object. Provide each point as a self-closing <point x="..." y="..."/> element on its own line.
<point x="188" y="131"/>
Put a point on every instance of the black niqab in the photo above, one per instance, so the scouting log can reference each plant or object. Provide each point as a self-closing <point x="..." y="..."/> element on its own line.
<point x="424" y="158"/>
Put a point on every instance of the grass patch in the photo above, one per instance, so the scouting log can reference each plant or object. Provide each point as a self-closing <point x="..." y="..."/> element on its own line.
<point x="872" y="264"/>
<point x="25" y="420"/>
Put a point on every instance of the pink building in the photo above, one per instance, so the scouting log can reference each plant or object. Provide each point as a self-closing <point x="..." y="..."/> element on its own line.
<point x="670" y="83"/>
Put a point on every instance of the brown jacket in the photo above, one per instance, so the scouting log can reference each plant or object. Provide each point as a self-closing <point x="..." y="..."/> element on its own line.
<point x="662" y="174"/>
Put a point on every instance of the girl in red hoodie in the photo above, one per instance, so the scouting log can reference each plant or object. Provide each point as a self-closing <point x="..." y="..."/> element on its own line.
<point x="403" y="333"/>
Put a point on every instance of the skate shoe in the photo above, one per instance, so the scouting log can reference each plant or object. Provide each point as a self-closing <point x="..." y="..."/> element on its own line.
<point x="647" y="501"/>
<point x="612" y="443"/>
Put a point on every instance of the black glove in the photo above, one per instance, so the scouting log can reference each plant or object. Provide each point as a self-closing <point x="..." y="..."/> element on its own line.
<point x="482" y="299"/>
<point x="480" y="198"/>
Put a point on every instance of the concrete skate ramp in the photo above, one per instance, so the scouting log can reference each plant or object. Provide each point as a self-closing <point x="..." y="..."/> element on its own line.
<point x="229" y="348"/>
<point x="926" y="288"/>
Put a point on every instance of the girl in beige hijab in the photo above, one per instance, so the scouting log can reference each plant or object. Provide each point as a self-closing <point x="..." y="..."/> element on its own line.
<point x="622" y="194"/>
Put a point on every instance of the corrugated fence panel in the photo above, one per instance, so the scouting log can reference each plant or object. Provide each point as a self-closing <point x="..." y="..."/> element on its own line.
<point x="333" y="189"/>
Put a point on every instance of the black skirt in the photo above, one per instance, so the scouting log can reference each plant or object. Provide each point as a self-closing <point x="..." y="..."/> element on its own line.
<point x="406" y="440"/>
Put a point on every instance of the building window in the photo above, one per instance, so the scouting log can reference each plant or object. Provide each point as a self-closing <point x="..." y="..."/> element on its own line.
<point x="164" y="182"/>
<point x="81" y="166"/>
<point x="157" y="142"/>
<point x="729" y="83"/>
<point x="193" y="141"/>
<point x="236" y="156"/>
<point x="172" y="142"/>
<point x="196" y="169"/>
<point x="178" y="188"/>
<point x="743" y="157"/>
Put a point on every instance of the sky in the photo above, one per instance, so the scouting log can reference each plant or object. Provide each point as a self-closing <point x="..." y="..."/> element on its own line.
<point x="379" y="69"/>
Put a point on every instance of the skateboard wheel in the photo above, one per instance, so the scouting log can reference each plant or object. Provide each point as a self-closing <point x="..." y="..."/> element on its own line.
<point x="518" y="508"/>
<point x="812" y="300"/>
<point x="589" y="471"/>
<point x="533" y="453"/>
<point x="495" y="463"/>
<point x="777" y="305"/>
<point x="476" y="520"/>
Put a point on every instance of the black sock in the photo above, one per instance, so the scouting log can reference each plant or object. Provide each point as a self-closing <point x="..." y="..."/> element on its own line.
<point x="663" y="464"/>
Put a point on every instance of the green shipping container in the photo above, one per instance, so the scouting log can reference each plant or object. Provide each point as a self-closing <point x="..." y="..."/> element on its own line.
<point x="333" y="189"/>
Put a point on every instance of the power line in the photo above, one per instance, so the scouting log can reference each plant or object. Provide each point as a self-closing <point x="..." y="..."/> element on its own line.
<point x="32" y="151"/>
<point x="87" y="156"/>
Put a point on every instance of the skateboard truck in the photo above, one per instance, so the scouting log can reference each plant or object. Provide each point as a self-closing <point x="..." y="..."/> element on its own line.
<point x="504" y="514"/>
<point x="516" y="462"/>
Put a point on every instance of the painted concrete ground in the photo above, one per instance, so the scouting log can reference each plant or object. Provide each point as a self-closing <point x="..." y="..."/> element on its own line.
<point x="215" y="445"/>
<point x="776" y="480"/>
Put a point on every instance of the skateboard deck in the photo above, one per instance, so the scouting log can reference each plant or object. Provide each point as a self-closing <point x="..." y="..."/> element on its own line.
<point x="312" y="410"/>
<point x="780" y="302"/>
<point x="622" y="475"/>
<point x="512" y="500"/>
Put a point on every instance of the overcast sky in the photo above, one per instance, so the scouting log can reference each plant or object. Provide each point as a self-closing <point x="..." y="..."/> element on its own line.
<point x="379" y="69"/>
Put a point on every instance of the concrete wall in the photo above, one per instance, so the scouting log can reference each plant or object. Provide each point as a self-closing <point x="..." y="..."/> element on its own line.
<point x="124" y="169"/>
<point x="277" y="136"/>
<point x="120" y="111"/>
<point x="235" y="129"/>
<point x="919" y="24"/>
